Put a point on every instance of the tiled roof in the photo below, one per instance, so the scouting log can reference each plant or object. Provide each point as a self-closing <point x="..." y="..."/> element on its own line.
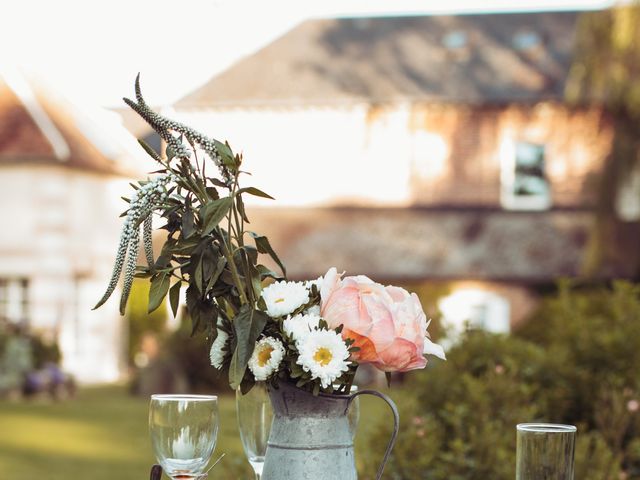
<point x="413" y="244"/>
<point x="465" y="58"/>
<point x="39" y="127"/>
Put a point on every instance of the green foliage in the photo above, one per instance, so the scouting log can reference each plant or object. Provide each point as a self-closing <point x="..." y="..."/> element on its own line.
<point x="190" y="355"/>
<point x="245" y="340"/>
<point x="44" y="352"/>
<point x="457" y="418"/>
<point x="139" y="320"/>
<point x="205" y="247"/>
<point x="576" y="361"/>
<point x="605" y="74"/>
<point x="607" y="59"/>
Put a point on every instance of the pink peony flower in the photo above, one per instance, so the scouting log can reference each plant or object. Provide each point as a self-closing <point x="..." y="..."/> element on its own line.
<point x="386" y="323"/>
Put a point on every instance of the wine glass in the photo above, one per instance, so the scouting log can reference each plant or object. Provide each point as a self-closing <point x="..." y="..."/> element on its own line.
<point x="184" y="430"/>
<point x="255" y="416"/>
<point x="545" y="451"/>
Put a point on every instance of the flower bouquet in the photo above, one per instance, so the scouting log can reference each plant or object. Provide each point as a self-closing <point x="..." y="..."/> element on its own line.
<point x="310" y="334"/>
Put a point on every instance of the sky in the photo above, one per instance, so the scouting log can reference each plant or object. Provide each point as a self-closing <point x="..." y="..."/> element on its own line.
<point x="92" y="50"/>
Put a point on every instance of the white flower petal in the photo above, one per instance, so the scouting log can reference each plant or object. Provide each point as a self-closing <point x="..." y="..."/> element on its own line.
<point x="217" y="352"/>
<point x="271" y="349"/>
<point x="431" y="348"/>
<point x="283" y="298"/>
<point x="335" y="359"/>
<point x="315" y="310"/>
<point x="299" y="326"/>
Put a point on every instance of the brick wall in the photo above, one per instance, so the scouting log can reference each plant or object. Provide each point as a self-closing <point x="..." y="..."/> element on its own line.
<point x="457" y="151"/>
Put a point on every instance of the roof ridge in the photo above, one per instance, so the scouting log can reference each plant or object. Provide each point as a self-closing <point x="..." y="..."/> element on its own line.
<point x="22" y="90"/>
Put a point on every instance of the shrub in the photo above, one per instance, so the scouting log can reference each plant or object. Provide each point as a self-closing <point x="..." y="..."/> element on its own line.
<point x="191" y="355"/>
<point x="139" y="320"/>
<point x="575" y="362"/>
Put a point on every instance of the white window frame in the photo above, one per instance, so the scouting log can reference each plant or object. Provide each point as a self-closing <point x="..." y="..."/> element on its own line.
<point x="14" y="299"/>
<point x="509" y="198"/>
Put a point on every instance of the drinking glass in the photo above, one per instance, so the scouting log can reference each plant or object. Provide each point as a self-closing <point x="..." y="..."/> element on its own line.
<point x="255" y="416"/>
<point x="184" y="430"/>
<point x="545" y="451"/>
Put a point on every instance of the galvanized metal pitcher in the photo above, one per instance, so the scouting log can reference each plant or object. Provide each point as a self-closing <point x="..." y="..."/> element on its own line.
<point x="310" y="437"/>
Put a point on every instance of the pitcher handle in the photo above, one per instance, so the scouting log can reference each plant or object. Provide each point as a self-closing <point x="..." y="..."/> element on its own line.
<point x="396" y="423"/>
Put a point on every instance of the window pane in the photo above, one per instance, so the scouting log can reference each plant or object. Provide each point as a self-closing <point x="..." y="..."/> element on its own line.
<point x="14" y="299"/>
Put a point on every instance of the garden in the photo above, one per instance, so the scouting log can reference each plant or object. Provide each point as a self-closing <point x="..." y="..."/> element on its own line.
<point x="575" y="361"/>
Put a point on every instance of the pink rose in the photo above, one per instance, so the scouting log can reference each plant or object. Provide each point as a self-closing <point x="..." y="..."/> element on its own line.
<point x="386" y="323"/>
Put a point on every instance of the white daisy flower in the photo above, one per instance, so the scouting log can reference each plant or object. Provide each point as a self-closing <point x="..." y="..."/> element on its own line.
<point x="283" y="298"/>
<point x="217" y="352"/>
<point x="299" y="326"/>
<point x="315" y="310"/>
<point x="266" y="357"/>
<point x="317" y="282"/>
<point x="324" y="354"/>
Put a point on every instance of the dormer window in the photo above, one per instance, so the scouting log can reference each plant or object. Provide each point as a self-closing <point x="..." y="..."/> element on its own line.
<point x="455" y="40"/>
<point x="524" y="182"/>
<point x="526" y="40"/>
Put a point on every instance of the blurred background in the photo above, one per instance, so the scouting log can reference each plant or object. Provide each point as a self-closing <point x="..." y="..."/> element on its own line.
<point x="483" y="154"/>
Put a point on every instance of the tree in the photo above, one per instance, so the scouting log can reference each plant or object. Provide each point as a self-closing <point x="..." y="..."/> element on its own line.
<point x="606" y="72"/>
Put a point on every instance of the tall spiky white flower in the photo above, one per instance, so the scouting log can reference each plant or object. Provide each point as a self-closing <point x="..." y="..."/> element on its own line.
<point x="147" y="198"/>
<point x="165" y="126"/>
<point x="266" y="358"/>
<point x="324" y="354"/>
<point x="219" y="349"/>
<point x="283" y="298"/>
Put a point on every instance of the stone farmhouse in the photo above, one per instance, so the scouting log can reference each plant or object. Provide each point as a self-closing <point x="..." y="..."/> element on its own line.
<point x="62" y="171"/>
<point x="433" y="150"/>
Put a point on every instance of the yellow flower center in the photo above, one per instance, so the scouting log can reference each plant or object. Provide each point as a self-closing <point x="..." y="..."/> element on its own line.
<point x="323" y="356"/>
<point x="264" y="355"/>
<point x="279" y="300"/>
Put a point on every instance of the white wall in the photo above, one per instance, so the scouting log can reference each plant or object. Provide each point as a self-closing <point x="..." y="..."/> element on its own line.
<point x="61" y="229"/>
<point x="318" y="156"/>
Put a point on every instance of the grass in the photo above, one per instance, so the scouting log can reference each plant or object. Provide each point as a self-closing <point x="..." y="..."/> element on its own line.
<point x="102" y="435"/>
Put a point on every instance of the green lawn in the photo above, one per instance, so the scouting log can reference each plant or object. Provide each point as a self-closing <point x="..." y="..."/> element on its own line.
<point x="102" y="435"/>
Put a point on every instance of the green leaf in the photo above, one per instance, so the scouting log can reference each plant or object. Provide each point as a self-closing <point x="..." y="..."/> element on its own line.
<point x="241" y="209"/>
<point x="214" y="211"/>
<point x="198" y="274"/>
<point x="193" y="303"/>
<point x="184" y="247"/>
<point x="188" y="224"/>
<point x="247" y="383"/>
<point x="268" y="273"/>
<point x="212" y="192"/>
<point x="201" y="310"/>
<point x="226" y="154"/>
<point x="254" y="191"/>
<point x="217" y="182"/>
<point x="216" y="273"/>
<point x="170" y="152"/>
<point x="248" y="325"/>
<point x="256" y="282"/>
<point x="174" y="297"/>
<point x="152" y="153"/>
<point x="158" y="290"/>
<point x="263" y="246"/>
